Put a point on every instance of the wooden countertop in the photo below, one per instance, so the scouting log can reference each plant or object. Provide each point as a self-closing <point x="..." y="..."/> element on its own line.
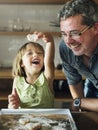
<point x="6" y="73"/>
<point x="86" y="120"/>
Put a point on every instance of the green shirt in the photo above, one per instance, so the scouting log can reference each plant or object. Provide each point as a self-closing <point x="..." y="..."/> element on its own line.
<point x="37" y="95"/>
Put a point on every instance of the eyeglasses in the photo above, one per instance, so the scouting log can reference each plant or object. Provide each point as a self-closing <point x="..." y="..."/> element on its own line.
<point x="75" y="33"/>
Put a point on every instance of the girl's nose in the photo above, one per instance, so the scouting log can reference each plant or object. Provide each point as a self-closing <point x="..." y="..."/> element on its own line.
<point x="34" y="54"/>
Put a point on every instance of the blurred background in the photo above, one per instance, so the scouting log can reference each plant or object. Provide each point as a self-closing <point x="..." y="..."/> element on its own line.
<point x="18" y="20"/>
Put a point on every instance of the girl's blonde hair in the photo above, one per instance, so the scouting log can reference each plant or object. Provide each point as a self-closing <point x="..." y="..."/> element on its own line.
<point x="17" y="70"/>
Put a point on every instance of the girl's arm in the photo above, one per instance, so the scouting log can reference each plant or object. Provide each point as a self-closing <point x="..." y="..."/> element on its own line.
<point x="49" y="56"/>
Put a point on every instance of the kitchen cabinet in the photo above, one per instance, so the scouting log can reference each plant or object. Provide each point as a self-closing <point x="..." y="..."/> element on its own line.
<point x="5" y="90"/>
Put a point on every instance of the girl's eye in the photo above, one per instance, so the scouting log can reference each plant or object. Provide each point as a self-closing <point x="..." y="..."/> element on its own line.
<point x="29" y="53"/>
<point x="39" y="53"/>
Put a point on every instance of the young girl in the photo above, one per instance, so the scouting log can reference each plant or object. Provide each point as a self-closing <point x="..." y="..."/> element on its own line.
<point x="33" y="75"/>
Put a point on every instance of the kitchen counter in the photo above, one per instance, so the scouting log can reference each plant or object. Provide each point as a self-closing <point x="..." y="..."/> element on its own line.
<point x="6" y="73"/>
<point x="82" y="120"/>
<point x="57" y="118"/>
<point x="86" y="120"/>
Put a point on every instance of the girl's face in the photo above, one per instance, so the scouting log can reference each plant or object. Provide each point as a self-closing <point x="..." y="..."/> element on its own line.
<point x="33" y="59"/>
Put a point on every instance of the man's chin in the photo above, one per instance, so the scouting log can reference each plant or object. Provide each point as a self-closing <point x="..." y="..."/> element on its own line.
<point x="77" y="53"/>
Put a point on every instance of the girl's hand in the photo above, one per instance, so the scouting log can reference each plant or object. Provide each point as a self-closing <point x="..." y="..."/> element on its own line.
<point x="46" y="37"/>
<point x="13" y="100"/>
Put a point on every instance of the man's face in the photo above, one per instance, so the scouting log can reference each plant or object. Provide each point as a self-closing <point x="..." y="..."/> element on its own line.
<point x="83" y="44"/>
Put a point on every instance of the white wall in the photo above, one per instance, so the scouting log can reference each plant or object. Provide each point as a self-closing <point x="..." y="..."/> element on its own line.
<point x="38" y="17"/>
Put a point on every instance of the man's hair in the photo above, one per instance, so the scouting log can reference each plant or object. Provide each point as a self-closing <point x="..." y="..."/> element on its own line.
<point x="88" y="9"/>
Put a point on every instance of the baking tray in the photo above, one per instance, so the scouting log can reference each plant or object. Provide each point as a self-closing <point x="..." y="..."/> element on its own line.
<point x="8" y="116"/>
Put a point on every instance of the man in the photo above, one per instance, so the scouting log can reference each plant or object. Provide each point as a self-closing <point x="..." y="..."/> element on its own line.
<point x="79" y="51"/>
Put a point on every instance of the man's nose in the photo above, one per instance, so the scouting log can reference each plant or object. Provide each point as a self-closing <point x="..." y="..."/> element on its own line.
<point x="68" y="39"/>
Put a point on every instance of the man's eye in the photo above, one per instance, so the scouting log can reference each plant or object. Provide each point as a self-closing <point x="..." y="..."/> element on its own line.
<point x="75" y="33"/>
<point x="63" y="34"/>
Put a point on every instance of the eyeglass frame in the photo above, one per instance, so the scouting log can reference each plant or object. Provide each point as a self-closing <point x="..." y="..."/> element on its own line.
<point x="78" y="34"/>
